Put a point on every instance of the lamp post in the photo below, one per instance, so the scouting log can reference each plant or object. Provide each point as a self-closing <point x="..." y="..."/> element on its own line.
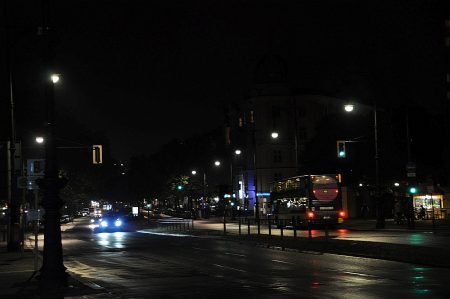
<point x="380" y="214"/>
<point x="53" y="274"/>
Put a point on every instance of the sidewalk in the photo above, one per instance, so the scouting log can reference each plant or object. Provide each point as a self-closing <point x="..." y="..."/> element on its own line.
<point x="18" y="278"/>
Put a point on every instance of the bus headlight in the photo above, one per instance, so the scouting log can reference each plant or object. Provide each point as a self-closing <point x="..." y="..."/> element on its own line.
<point x="104" y="223"/>
<point x="118" y="222"/>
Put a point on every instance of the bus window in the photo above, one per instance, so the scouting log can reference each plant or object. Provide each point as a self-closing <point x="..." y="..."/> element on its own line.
<point x="325" y="188"/>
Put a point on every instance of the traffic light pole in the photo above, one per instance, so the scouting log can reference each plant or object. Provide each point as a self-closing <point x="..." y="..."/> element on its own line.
<point x="378" y="194"/>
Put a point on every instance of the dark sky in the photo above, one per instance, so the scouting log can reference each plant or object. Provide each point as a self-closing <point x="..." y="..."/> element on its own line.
<point x="150" y="71"/>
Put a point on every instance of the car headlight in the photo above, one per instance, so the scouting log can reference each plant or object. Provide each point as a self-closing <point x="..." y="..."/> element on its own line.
<point x="104" y="223"/>
<point x="92" y="220"/>
<point x="118" y="222"/>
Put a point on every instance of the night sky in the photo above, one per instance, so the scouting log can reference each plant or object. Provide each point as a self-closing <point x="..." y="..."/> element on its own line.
<point x="150" y="71"/>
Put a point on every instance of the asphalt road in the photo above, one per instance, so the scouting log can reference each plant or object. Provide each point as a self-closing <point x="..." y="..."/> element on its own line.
<point x="144" y="265"/>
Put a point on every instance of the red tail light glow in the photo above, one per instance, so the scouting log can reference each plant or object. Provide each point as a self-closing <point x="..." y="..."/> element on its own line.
<point x="342" y="214"/>
<point x="310" y="215"/>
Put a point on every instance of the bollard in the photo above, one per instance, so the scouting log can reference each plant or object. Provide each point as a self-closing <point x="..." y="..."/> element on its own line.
<point x="326" y="231"/>
<point x="224" y="225"/>
<point x="259" y="226"/>
<point x="294" y="226"/>
<point x="192" y="224"/>
<point x="239" y="226"/>
<point x="281" y="230"/>
<point x="270" y="228"/>
<point x="309" y="230"/>
<point x="248" y="227"/>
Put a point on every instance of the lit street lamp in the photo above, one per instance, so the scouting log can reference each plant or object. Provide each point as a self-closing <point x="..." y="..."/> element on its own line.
<point x="380" y="216"/>
<point x="53" y="276"/>
<point x="40" y="139"/>
<point x="274" y="135"/>
<point x="217" y="163"/>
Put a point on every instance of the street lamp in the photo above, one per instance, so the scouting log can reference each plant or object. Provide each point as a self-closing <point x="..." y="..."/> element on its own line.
<point x="380" y="216"/>
<point x="194" y="172"/>
<point x="40" y="139"/>
<point x="54" y="78"/>
<point x="349" y="107"/>
<point x="238" y="152"/>
<point x="217" y="163"/>
<point x="274" y="135"/>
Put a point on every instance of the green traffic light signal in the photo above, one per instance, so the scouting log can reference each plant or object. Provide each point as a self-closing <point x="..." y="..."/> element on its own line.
<point x="180" y="187"/>
<point x="341" y="148"/>
<point x="412" y="190"/>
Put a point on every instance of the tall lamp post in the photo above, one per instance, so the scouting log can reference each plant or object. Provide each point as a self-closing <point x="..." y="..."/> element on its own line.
<point x="380" y="214"/>
<point x="53" y="274"/>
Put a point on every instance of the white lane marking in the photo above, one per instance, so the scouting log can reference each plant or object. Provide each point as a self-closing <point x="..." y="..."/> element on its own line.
<point x="235" y="254"/>
<point x="281" y="262"/>
<point x="230" y="268"/>
<point x="361" y="274"/>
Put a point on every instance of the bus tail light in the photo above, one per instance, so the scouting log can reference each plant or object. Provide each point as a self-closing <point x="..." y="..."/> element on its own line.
<point x="310" y="215"/>
<point x="341" y="214"/>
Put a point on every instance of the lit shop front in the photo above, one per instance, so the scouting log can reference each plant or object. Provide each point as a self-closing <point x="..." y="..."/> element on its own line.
<point x="432" y="204"/>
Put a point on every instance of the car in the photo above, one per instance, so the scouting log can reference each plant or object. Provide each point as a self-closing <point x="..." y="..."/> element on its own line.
<point x="109" y="222"/>
<point x="65" y="219"/>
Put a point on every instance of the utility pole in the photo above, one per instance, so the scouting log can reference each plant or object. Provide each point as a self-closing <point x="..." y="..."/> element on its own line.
<point x="13" y="202"/>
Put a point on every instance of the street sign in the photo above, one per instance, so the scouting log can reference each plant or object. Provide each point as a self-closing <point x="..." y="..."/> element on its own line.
<point x="35" y="167"/>
<point x="27" y="182"/>
<point x="34" y="215"/>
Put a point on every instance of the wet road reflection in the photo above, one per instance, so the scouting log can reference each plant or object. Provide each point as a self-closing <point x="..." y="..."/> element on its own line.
<point x="111" y="240"/>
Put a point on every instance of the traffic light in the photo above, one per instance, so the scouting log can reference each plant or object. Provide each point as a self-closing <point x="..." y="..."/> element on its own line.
<point x="179" y="187"/>
<point x="341" y="149"/>
<point x="97" y="154"/>
<point x="412" y="190"/>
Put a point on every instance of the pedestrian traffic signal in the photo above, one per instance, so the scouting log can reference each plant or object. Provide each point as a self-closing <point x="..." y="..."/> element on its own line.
<point x="97" y="154"/>
<point x="341" y="149"/>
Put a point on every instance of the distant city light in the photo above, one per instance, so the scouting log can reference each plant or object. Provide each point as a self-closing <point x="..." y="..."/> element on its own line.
<point x="396" y="184"/>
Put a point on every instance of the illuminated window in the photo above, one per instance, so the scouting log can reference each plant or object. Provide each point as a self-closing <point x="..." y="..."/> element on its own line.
<point x="241" y="122"/>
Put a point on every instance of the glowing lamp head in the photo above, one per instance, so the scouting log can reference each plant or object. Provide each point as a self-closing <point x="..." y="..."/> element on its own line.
<point x="349" y="108"/>
<point x="274" y="135"/>
<point x="217" y="163"/>
<point x="194" y="172"/>
<point x="39" y="139"/>
<point x="54" y="78"/>
<point x="238" y="152"/>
